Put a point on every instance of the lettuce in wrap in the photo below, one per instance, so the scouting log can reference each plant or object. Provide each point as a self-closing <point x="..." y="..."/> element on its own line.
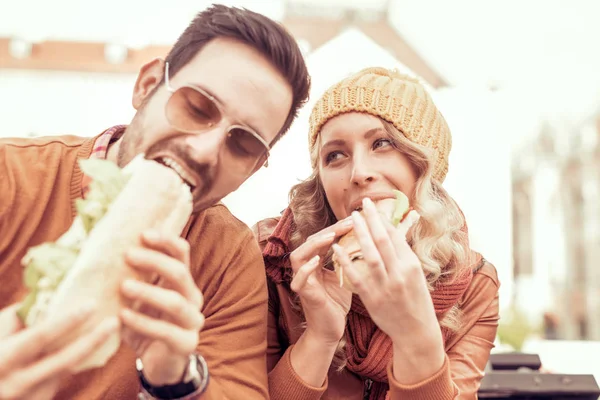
<point x="46" y="264"/>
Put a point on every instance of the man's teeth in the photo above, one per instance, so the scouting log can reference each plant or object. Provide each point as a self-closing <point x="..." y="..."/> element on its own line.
<point x="169" y="162"/>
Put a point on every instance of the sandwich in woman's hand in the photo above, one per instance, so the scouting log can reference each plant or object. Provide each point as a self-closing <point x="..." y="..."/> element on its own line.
<point x="393" y="210"/>
<point x="87" y="263"/>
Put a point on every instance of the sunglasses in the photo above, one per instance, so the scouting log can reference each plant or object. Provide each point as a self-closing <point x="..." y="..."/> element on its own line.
<point x="191" y="109"/>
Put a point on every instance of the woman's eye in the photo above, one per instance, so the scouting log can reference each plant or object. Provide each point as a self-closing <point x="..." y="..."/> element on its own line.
<point x="356" y="258"/>
<point x="382" y="143"/>
<point x="334" y="155"/>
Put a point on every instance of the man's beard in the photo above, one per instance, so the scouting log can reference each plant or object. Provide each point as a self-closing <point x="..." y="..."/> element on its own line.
<point x="130" y="147"/>
<point x="131" y="142"/>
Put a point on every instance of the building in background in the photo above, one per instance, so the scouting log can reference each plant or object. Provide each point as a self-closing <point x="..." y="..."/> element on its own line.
<point x="556" y="228"/>
<point x="73" y="73"/>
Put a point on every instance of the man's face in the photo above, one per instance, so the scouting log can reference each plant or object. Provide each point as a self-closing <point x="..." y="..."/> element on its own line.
<point x="249" y="92"/>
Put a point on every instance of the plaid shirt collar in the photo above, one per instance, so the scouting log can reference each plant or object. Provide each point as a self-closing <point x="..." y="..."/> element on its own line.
<point x="100" y="149"/>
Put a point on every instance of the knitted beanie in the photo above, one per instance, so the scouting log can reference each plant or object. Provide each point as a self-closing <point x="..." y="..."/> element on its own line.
<point x="396" y="98"/>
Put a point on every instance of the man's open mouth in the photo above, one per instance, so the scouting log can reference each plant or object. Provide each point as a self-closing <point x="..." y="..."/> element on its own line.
<point x="187" y="178"/>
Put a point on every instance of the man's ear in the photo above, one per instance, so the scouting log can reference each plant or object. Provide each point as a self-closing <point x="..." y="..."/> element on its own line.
<point x="150" y="76"/>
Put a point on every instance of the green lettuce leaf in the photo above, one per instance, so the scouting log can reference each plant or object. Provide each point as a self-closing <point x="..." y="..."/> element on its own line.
<point x="400" y="208"/>
<point x="107" y="182"/>
<point x="47" y="264"/>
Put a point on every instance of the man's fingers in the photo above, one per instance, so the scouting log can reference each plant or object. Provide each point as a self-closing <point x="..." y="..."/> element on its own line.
<point x="73" y="354"/>
<point x="171" y="303"/>
<point x="26" y="345"/>
<point x="25" y="389"/>
<point x="175" y="246"/>
<point x="180" y="340"/>
<point x="301" y="277"/>
<point x="63" y="361"/>
<point x="9" y="321"/>
<point x="175" y="273"/>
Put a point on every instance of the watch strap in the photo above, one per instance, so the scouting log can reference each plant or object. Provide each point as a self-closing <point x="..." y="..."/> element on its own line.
<point x="194" y="382"/>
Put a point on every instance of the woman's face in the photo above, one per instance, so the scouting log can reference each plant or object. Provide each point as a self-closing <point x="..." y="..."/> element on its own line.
<point x="357" y="160"/>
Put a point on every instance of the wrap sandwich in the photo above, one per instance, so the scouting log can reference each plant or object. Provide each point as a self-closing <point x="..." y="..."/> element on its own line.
<point x="87" y="262"/>
<point x="394" y="210"/>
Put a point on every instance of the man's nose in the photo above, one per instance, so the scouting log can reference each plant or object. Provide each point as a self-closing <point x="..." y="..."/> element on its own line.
<point x="207" y="146"/>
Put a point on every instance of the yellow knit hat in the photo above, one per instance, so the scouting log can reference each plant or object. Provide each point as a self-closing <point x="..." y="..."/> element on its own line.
<point x="396" y="98"/>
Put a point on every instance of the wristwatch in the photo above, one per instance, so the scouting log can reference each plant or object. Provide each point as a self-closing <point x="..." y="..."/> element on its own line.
<point x="194" y="381"/>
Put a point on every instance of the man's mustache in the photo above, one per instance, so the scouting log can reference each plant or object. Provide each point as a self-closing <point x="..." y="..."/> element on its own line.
<point x="203" y="171"/>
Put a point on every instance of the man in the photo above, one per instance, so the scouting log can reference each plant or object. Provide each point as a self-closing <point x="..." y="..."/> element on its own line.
<point x="230" y="87"/>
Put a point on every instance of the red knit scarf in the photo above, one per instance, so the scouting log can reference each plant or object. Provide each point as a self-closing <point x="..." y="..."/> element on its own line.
<point x="368" y="349"/>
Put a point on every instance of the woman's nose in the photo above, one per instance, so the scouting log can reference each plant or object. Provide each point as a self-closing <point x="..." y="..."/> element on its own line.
<point x="362" y="174"/>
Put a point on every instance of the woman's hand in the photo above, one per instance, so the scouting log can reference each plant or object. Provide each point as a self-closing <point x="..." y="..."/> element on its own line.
<point x="164" y="330"/>
<point x="395" y="293"/>
<point x="325" y="304"/>
<point x="26" y="370"/>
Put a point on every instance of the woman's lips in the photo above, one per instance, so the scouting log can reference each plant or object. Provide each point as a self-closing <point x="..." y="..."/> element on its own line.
<point x="356" y="205"/>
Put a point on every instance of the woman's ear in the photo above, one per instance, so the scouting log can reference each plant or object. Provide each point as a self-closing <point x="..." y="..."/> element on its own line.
<point x="150" y="76"/>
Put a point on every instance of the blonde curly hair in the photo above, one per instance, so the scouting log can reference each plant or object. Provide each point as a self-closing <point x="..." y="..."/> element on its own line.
<point x="438" y="238"/>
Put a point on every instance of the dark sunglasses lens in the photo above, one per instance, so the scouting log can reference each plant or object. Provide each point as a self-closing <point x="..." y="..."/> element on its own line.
<point x="190" y="110"/>
<point x="246" y="143"/>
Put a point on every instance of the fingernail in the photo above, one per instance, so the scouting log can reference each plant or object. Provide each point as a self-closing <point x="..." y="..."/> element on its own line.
<point x="314" y="260"/>
<point x="347" y="221"/>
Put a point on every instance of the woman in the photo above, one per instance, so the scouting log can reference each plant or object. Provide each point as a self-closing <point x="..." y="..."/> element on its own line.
<point x="424" y="319"/>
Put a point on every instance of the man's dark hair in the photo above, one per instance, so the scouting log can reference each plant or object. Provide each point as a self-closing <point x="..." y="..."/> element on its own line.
<point x="270" y="38"/>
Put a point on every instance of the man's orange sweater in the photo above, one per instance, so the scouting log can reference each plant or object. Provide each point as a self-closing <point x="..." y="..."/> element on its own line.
<point x="39" y="182"/>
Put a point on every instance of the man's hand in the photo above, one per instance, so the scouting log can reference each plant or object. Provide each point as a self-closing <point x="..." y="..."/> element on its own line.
<point x="164" y="330"/>
<point x="26" y="371"/>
